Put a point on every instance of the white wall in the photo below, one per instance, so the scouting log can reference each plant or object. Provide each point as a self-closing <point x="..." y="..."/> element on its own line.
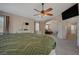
<point x="60" y="34"/>
<point x="17" y="23"/>
<point x="78" y="34"/>
<point x="78" y="29"/>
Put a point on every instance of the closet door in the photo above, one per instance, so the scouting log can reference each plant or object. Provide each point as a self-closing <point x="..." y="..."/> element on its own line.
<point x="2" y="18"/>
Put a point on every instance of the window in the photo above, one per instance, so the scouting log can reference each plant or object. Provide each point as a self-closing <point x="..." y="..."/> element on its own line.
<point x="37" y="27"/>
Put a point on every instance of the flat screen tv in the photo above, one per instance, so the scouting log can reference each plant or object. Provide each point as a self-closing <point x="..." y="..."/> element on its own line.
<point x="71" y="12"/>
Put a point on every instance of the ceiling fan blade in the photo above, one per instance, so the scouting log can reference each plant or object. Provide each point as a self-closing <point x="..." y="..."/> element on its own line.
<point x="49" y="9"/>
<point x="36" y="14"/>
<point x="36" y="10"/>
<point x="49" y="14"/>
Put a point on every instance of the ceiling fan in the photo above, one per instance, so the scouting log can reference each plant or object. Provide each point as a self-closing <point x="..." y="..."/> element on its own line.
<point x="44" y="12"/>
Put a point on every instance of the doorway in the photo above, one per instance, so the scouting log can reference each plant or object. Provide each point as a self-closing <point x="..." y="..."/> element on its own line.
<point x="71" y="31"/>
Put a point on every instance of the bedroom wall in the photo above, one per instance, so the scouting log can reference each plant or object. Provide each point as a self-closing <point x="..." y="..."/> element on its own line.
<point x="78" y="29"/>
<point x="17" y="23"/>
<point x="78" y="34"/>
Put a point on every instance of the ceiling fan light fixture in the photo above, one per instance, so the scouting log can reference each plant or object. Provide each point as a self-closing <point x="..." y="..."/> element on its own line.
<point x="44" y="12"/>
<point x="42" y="3"/>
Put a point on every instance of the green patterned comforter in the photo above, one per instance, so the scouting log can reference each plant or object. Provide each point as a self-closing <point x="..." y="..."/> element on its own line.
<point x="26" y="44"/>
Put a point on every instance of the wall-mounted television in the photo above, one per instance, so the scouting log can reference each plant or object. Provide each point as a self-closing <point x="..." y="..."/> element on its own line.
<point x="71" y="12"/>
<point x="26" y="23"/>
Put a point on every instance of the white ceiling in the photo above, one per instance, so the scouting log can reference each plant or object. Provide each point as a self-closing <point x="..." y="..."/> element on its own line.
<point x="26" y="9"/>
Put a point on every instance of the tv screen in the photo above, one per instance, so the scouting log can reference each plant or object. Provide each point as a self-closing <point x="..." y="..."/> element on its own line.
<point x="71" y="12"/>
<point x="26" y="23"/>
